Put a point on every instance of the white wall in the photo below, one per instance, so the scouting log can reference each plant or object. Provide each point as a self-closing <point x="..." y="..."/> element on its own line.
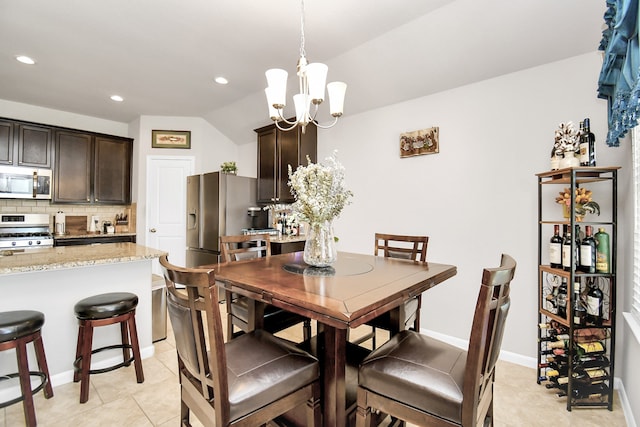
<point x="477" y="198"/>
<point x="208" y="146"/>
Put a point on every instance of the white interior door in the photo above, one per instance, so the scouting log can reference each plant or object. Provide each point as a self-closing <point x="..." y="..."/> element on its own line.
<point x="167" y="206"/>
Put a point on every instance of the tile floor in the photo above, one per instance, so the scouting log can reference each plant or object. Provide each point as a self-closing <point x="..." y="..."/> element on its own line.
<point x="116" y="399"/>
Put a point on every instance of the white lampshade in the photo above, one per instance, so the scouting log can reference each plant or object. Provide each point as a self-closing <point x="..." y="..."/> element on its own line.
<point x="277" y="85"/>
<point x="336" y="97"/>
<point x="301" y="103"/>
<point x="316" y="79"/>
<point x="273" y="113"/>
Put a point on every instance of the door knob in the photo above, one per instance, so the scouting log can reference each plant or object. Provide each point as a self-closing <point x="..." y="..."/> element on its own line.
<point x="152" y="230"/>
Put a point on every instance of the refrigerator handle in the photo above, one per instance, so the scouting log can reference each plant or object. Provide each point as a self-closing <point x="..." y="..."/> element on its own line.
<point x="192" y="220"/>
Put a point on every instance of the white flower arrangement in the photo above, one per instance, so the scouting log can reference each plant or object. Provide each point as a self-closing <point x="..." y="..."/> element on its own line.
<point x="319" y="190"/>
<point x="567" y="139"/>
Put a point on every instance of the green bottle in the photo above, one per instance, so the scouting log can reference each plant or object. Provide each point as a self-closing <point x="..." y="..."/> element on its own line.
<point x="603" y="260"/>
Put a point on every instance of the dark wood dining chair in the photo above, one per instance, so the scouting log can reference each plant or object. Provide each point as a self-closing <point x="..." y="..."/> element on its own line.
<point x="245" y="382"/>
<point x="424" y="381"/>
<point x="244" y="312"/>
<point x="406" y="247"/>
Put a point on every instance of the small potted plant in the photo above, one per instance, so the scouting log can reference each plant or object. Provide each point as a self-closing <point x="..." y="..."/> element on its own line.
<point x="567" y="139"/>
<point x="229" y="168"/>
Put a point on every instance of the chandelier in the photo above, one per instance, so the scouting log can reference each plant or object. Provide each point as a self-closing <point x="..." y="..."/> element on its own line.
<point x="311" y="78"/>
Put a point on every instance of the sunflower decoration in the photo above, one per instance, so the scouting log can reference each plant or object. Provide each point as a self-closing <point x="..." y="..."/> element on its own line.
<point x="584" y="203"/>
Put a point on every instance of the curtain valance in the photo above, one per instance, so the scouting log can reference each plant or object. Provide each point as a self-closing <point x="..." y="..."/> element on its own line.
<point x="619" y="81"/>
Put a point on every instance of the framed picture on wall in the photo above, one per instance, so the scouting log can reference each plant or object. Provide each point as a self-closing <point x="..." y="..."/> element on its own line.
<point x="170" y="139"/>
<point x="419" y="142"/>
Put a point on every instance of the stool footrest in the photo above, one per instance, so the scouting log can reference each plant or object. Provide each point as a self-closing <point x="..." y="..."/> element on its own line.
<point x="76" y="363"/>
<point x="43" y="382"/>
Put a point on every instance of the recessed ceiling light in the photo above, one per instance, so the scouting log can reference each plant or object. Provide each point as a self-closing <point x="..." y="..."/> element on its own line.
<point x="25" y="60"/>
<point x="117" y="98"/>
<point x="221" y="80"/>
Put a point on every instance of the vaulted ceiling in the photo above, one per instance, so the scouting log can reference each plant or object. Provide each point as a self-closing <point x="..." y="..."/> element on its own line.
<point x="162" y="55"/>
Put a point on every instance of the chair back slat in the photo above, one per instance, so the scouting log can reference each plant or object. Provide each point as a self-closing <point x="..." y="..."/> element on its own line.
<point x="236" y="248"/>
<point x="485" y="341"/>
<point x="399" y="246"/>
<point x="197" y="326"/>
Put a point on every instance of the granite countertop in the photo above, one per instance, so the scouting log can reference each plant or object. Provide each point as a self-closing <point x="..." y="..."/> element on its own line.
<point x="92" y="234"/>
<point x="287" y="239"/>
<point x="60" y="257"/>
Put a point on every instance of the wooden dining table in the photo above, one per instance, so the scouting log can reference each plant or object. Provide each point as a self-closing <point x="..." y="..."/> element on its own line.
<point x="354" y="290"/>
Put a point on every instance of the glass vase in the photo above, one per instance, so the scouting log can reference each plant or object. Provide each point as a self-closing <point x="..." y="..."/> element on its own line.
<point x="320" y="246"/>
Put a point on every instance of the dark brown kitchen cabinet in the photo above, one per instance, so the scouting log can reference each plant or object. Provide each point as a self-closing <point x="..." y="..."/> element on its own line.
<point x="72" y="171"/>
<point x="112" y="170"/>
<point x="276" y="151"/>
<point x="92" y="168"/>
<point x="25" y="144"/>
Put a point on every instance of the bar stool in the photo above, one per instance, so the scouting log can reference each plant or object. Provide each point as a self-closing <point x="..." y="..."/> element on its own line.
<point x="17" y="329"/>
<point x="103" y="310"/>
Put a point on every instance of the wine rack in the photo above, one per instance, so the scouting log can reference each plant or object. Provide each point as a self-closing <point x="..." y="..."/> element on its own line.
<point x="576" y="356"/>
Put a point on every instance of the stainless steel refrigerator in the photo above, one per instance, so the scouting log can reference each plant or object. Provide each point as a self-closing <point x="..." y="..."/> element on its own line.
<point x="217" y="205"/>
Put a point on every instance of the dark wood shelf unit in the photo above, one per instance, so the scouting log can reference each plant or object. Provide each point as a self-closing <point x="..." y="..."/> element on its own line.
<point x="573" y="178"/>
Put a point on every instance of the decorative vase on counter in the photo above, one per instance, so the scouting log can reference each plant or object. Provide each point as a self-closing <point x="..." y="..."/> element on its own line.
<point x="320" y="246"/>
<point x="569" y="160"/>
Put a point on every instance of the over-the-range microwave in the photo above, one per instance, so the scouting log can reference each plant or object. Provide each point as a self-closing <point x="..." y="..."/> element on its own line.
<point x="25" y="183"/>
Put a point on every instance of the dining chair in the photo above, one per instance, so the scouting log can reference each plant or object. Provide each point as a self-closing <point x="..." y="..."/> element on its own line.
<point x="424" y="381"/>
<point x="406" y="247"/>
<point x="244" y="312"/>
<point x="245" y="382"/>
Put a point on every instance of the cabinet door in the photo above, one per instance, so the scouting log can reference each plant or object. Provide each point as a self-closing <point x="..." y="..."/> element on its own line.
<point x="72" y="172"/>
<point x="6" y="142"/>
<point x="267" y="169"/>
<point x="288" y="154"/>
<point x="112" y="170"/>
<point x="34" y="145"/>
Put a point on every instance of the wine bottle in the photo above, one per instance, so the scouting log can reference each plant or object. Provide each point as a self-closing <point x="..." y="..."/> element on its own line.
<point x="594" y="348"/>
<point x="561" y="298"/>
<point x="588" y="252"/>
<point x="579" y="310"/>
<point x="555" y="248"/>
<point x="602" y="252"/>
<point x="591" y="143"/>
<point x="587" y="362"/>
<point x="595" y="297"/>
<point x="590" y="391"/>
<point x="566" y="250"/>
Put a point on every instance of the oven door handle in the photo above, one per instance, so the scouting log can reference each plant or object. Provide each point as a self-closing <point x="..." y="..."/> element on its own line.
<point x="35" y="183"/>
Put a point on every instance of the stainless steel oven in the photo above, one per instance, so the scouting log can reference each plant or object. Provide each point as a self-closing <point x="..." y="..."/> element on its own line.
<point x="25" y="231"/>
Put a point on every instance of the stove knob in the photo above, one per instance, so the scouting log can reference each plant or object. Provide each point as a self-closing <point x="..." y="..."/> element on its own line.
<point x="13" y="243"/>
<point x="30" y="243"/>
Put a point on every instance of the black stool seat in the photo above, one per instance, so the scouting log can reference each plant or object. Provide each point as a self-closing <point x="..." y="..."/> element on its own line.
<point x="16" y="324"/>
<point x="104" y="306"/>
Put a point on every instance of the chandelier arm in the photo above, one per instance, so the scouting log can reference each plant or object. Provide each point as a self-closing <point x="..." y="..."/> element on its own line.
<point x="283" y="119"/>
<point x="335" y="120"/>
<point x="286" y="129"/>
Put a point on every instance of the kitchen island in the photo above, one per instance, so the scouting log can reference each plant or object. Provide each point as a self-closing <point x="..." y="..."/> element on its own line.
<point x="52" y="280"/>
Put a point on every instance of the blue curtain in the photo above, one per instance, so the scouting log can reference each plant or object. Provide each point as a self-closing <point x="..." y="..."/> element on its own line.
<point x="619" y="81"/>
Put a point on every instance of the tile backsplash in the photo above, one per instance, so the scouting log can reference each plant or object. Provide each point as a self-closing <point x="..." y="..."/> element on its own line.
<point x="105" y="212"/>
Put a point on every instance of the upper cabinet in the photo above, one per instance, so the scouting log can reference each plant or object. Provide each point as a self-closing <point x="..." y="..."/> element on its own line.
<point x="25" y="144"/>
<point x="112" y="170"/>
<point x="91" y="168"/>
<point x="276" y="151"/>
